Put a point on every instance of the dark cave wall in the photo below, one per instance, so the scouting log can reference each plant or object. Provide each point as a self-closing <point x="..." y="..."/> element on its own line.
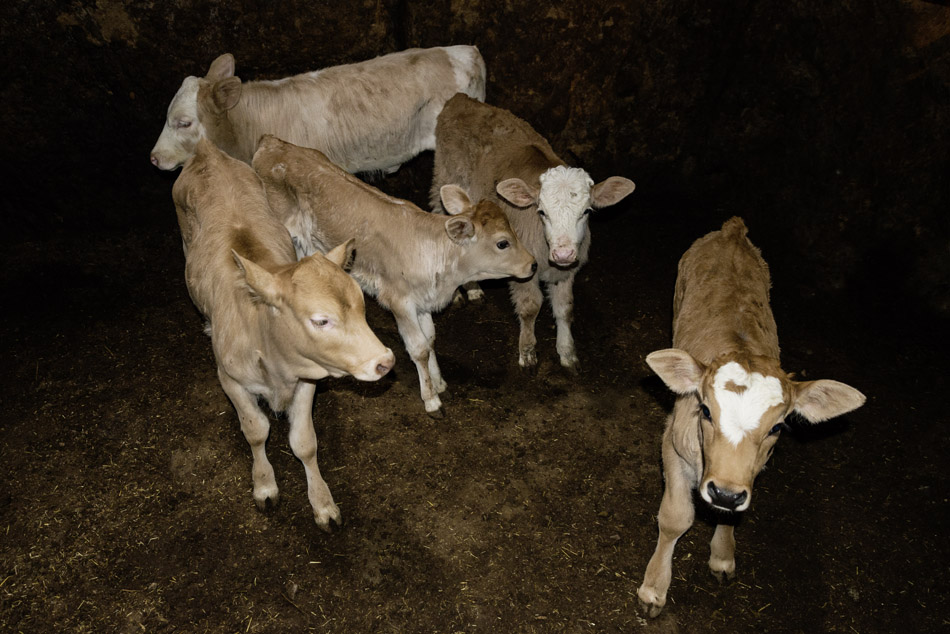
<point x="824" y="124"/>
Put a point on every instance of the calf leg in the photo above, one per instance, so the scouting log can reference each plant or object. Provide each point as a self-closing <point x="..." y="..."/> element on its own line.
<point x="428" y="329"/>
<point x="527" y="299"/>
<point x="722" y="553"/>
<point x="417" y="345"/>
<point x="303" y="441"/>
<point x="675" y="517"/>
<point x="562" y="303"/>
<point x="256" y="428"/>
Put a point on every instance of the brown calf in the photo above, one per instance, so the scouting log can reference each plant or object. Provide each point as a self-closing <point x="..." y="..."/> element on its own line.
<point x="276" y="324"/>
<point x="497" y="156"/>
<point x="733" y="398"/>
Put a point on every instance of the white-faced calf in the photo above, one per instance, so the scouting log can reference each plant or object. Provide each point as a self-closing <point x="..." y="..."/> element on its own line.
<point x="412" y="261"/>
<point x="276" y="324"/>
<point x="496" y="156"/>
<point x="733" y="396"/>
<point x="369" y="116"/>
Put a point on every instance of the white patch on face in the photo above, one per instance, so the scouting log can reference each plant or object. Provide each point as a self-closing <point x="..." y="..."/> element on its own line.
<point x="741" y="413"/>
<point x="564" y="197"/>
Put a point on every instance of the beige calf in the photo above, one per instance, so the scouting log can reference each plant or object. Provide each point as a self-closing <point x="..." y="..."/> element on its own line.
<point x="733" y="396"/>
<point x="368" y="116"/>
<point x="412" y="261"/>
<point x="276" y="324"/>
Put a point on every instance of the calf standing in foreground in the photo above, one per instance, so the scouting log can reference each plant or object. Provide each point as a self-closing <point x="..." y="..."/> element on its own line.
<point x="733" y="396"/>
<point x="497" y="156"/>
<point x="412" y="261"/>
<point x="276" y="324"/>
<point x="369" y="116"/>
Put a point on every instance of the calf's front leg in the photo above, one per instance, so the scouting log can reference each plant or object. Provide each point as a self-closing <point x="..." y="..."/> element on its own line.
<point x="675" y="518"/>
<point x="562" y="303"/>
<point x="303" y="442"/>
<point x="417" y="345"/>
<point x="256" y="428"/>
<point x="722" y="552"/>
<point x="527" y="298"/>
<point x="428" y="329"/>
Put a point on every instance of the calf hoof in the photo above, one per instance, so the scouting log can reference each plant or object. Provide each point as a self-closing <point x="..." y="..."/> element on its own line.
<point x="323" y="517"/>
<point x="475" y="294"/>
<point x="437" y="414"/>
<point x="723" y="576"/>
<point x="650" y="604"/>
<point x="266" y="501"/>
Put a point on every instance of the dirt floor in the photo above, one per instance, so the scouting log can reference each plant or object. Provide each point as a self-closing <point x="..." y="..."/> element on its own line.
<point x="531" y="507"/>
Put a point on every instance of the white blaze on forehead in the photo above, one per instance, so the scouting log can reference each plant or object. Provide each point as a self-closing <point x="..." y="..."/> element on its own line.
<point x="741" y="413"/>
<point x="564" y="196"/>
<point x="565" y="190"/>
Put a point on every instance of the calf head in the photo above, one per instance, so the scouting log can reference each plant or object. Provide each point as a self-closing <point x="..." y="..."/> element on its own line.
<point x="564" y="200"/>
<point x="318" y="318"/>
<point x="732" y="411"/>
<point x="198" y="110"/>
<point x="492" y="248"/>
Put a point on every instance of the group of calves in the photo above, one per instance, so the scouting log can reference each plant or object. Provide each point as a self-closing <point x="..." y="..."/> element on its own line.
<point x="280" y="238"/>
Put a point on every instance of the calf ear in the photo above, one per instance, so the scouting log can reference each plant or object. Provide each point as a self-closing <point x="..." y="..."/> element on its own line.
<point x="517" y="192"/>
<point x="678" y="369"/>
<point x="460" y="229"/>
<point x="343" y="255"/>
<point x="221" y="67"/>
<point x="226" y="93"/>
<point x="260" y="282"/>
<point x="818" y="401"/>
<point x="611" y="191"/>
<point x="455" y="200"/>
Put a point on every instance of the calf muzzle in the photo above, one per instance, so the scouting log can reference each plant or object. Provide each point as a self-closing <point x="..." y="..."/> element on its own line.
<point x="724" y="498"/>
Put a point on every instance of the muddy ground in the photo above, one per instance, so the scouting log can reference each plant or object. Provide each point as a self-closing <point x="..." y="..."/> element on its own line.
<point x="126" y="491"/>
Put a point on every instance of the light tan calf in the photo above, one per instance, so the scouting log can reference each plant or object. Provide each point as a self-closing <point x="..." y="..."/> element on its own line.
<point x="276" y="325"/>
<point x="497" y="156"/>
<point x="412" y="261"/>
<point x="733" y="398"/>
<point x="369" y="116"/>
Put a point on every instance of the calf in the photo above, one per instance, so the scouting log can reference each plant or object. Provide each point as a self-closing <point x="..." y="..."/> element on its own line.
<point x="276" y="324"/>
<point x="369" y="116"/>
<point x="733" y="396"/>
<point x="412" y="261"/>
<point x="495" y="155"/>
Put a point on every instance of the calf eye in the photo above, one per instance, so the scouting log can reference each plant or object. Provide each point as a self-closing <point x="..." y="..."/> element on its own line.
<point x="705" y="411"/>
<point x="184" y="124"/>
<point x="502" y="244"/>
<point x="777" y="428"/>
<point x="320" y="323"/>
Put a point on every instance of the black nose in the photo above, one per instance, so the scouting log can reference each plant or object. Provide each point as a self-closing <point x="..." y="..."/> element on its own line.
<point x="725" y="498"/>
<point x="534" y="267"/>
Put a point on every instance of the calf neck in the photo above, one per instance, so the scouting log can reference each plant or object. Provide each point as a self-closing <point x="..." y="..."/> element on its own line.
<point x="410" y="260"/>
<point x="497" y="156"/>
<point x="276" y="324"/>
<point x="733" y="396"/>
